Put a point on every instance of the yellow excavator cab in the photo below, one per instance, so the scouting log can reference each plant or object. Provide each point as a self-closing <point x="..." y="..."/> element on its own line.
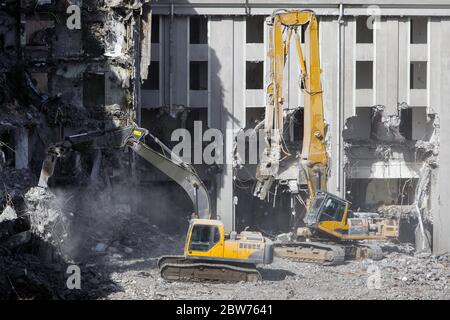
<point x="329" y="214"/>
<point x="206" y="240"/>
<point x="212" y="255"/>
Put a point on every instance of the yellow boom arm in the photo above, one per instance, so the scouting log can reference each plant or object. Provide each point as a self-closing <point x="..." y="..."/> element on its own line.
<point x="282" y="27"/>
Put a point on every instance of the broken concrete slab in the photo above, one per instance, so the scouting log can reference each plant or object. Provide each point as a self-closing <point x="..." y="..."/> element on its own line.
<point x="8" y="214"/>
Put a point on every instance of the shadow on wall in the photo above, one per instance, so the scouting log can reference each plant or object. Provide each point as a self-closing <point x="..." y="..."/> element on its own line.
<point x="163" y="121"/>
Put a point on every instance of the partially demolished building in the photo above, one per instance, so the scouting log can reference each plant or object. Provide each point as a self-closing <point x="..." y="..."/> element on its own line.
<point x="73" y="66"/>
<point x="384" y="72"/>
<point x="66" y="67"/>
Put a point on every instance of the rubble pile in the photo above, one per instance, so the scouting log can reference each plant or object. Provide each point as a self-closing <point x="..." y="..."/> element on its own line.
<point x="14" y="183"/>
<point x="57" y="81"/>
<point x="405" y="212"/>
<point x="25" y="276"/>
<point x="402" y="275"/>
<point x="404" y="270"/>
<point x="387" y="142"/>
<point x="49" y="224"/>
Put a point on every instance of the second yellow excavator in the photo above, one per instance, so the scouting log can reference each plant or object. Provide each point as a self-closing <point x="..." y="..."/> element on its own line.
<point x="331" y="232"/>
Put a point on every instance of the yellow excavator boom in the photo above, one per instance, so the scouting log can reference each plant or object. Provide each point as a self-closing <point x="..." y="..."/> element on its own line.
<point x="283" y="26"/>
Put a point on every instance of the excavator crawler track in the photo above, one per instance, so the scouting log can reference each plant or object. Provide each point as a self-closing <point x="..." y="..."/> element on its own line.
<point x="363" y="251"/>
<point x="178" y="268"/>
<point x="312" y="252"/>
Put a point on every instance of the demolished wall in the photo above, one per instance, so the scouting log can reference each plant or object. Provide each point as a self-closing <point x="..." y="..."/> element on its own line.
<point x="385" y="155"/>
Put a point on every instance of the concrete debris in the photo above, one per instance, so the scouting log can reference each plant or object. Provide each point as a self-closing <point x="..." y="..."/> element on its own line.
<point x="390" y="141"/>
<point x="396" y="211"/>
<point x="385" y="127"/>
<point x="128" y="250"/>
<point x="285" y="237"/>
<point x="8" y="214"/>
<point x="55" y="81"/>
<point x="44" y="212"/>
<point x="426" y="278"/>
<point x="100" y="247"/>
<point x="15" y="183"/>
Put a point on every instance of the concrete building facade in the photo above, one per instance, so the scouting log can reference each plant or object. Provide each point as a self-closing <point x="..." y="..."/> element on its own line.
<point x="385" y="71"/>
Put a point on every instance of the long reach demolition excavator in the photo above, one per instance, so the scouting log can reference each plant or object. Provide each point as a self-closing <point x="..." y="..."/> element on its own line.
<point x="209" y="254"/>
<point x="331" y="231"/>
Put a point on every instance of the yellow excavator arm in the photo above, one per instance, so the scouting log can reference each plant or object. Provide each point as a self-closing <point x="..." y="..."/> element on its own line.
<point x="282" y="27"/>
<point x="132" y="137"/>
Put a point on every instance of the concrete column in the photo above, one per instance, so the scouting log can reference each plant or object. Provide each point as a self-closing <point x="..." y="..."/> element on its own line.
<point x="349" y="36"/>
<point x="386" y="62"/>
<point x="221" y="108"/>
<point x="403" y="60"/>
<point x="21" y="148"/>
<point x="435" y="68"/>
<point x="440" y="202"/>
<point x="180" y="73"/>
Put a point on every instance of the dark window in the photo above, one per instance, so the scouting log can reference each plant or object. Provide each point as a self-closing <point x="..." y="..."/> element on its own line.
<point x="7" y="144"/>
<point x="198" y="30"/>
<point x="195" y="115"/>
<point x="406" y="123"/>
<point x="419" y="27"/>
<point x="254" y="116"/>
<point x="155" y="29"/>
<point x="204" y="237"/>
<point x="40" y="81"/>
<point x="333" y="210"/>
<point x="303" y="33"/>
<point x="94" y="89"/>
<point x="255" y="29"/>
<point x="152" y="82"/>
<point x="364" y="74"/>
<point x="363" y="33"/>
<point x="340" y="212"/>
<point x="216" y="235"/>
<point x="91" y="44"/>
<point x="2" y="43"/>
<point x="314" y="209"/>
<point x="418" y="75"/>
<point x="254" y="75"/>
<point x="198" y="75"/>
<point x="362" y="127"/>
<point x="298" y="123"/>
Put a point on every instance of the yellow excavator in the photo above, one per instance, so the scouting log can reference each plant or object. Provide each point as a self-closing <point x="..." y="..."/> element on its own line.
<point x="210" y="254"/>
<point x="331" y="232"/>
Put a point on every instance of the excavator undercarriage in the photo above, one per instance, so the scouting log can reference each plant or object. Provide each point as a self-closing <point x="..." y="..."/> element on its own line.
<point x="178" y="268"/>
<point x="328" y="254"/>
